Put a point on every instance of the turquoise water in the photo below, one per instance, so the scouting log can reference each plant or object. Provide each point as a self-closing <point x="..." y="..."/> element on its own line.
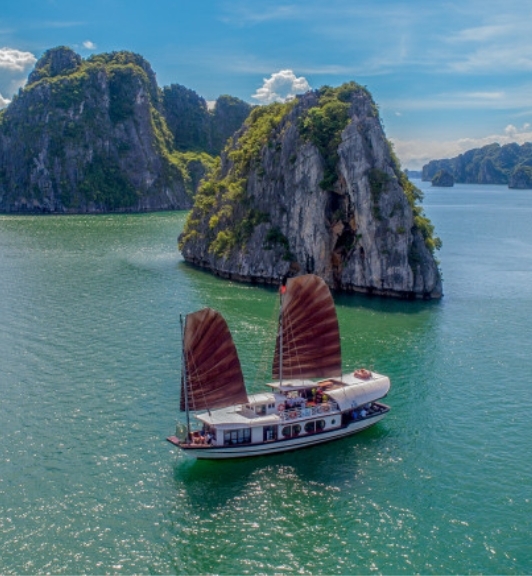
<point x="89" y="349"/>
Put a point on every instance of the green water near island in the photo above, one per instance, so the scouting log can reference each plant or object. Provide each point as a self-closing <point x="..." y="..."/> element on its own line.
<point x="89" y="349"/>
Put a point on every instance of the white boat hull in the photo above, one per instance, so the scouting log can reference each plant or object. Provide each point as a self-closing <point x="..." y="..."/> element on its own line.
<point x="208" y="452"/>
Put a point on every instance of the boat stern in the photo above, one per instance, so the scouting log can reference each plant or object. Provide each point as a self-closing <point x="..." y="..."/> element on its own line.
<point x="174" y="440"/>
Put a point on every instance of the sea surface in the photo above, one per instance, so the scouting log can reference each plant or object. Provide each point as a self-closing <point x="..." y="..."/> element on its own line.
<point x="89" y="373"/>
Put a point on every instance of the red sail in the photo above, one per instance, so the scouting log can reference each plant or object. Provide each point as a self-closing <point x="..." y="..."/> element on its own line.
<point x="213" y="372"/>
<point x="311" y="339"/>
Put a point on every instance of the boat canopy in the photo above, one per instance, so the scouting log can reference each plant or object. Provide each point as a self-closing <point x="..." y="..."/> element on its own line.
<point x="357" y="392"/>
<point x="310" y="334"/>
<point x="211" y="365"/>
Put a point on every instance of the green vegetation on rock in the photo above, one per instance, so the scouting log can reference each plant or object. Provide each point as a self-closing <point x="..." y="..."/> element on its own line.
<point x="221" y="198"/>
<point x="415" y="197"/>
<point x="323" y="125"/>
<point x="260" y="126"/>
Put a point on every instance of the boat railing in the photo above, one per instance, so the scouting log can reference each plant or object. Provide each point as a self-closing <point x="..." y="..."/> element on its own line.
<point x="309" y="411"/>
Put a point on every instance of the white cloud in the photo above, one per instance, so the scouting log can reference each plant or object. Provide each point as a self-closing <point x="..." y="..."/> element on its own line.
<point x="245" y="14"/>
<point x="481" y="33"/>
<point x="495" y="58"/>
<point x="505" y="98"/>
<point x="414" y="154"/>
<point x="280" y="87"/>
<point x="89" y="45"/>
<point x="14" y="68"/>
<point x="14" y="60"/>
<point x="3" y="101"/>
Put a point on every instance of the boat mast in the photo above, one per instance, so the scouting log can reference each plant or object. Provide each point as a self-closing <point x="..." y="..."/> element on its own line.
<point x="282" y="290"/>
<point x="184" y="374"/>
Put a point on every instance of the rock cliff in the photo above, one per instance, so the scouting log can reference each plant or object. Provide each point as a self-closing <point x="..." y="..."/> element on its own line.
<point x="313" y="186"/>
<point x="194" y="126"/>
<point x="88" y="136"/>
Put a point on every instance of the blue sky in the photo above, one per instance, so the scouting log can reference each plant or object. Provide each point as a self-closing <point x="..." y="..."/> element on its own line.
<point x="448" y="76"/>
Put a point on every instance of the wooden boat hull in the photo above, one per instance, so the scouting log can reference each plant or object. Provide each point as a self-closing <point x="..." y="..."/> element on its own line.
<point x="208" y="452"/>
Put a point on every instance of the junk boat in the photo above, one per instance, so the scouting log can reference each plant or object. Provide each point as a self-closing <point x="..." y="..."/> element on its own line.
<point x="309" y="402"/>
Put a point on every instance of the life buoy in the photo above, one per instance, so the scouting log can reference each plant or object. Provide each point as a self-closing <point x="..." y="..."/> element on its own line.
<point x="293" y="414"/>
<point x="362" y="373"/>
<point x="280" y="407"/>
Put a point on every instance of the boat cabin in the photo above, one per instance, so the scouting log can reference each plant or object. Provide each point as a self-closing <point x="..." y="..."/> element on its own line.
<point x="291" y="410"/>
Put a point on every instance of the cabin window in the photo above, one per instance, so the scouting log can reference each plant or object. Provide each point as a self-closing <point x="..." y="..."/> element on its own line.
<point x="310" y="427"/>
<point x="260" y="410"/>
<point x="269" y="433"/>
<point x="320" y="425"/>
<point x="289" y="431"/>
<point x="240" y="436"/>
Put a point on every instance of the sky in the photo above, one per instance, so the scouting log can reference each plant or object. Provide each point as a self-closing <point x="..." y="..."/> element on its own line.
<point x="448" y="76"/>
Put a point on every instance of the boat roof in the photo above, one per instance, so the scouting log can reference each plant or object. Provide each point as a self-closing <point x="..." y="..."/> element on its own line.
<point x="236" y="417"/>
<point x="261" y="398"/>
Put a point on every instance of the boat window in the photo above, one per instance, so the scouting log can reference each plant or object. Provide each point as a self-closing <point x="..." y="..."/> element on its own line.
<point x="269" y="433"/>
<point x="241" y="436"/>
<point x="320" y="424"/>
<point x="261" y="410"/>
<point x="289" y="431"/>
<point x="310" y="427"/>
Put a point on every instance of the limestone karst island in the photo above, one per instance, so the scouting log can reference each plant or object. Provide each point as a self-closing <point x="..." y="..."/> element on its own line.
<point x="311" y="185"/>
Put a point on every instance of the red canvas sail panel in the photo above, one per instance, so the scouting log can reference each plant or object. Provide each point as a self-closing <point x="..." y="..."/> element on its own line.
<point x="311" y="338"/>
<point x="212" y="368"/>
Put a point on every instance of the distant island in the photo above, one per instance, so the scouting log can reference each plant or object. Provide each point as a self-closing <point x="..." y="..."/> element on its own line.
<point x="510" y="164"/>
<point x="98" y="135"/>
<point x="443" y="179"/>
